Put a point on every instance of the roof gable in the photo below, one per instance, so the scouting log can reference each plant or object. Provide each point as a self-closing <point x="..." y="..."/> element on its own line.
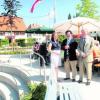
<point x="11" y="24"/>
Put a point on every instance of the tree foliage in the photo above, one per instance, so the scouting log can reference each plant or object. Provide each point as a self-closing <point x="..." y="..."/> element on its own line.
<point x="61" y="38"/>
<point x="69" y="16"/>
<point x="11" y="7"/>
<point x="36" y="92"/>
<point x="87" y="8"/>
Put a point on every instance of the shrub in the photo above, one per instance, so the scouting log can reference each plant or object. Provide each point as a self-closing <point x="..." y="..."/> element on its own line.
<point x="39" y="93"/>
<point x="32" y="86"/>
<point x="36" y="92"/>
<point x="14" y="52"/>
<point x="20" y="42"/>
<point x="4" y="42"/>
<point x="30" y="41"/>
<point x="61" y="38"/>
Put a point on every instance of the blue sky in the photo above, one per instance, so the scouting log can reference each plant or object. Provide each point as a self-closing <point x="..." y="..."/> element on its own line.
<point x="43" y="8"/>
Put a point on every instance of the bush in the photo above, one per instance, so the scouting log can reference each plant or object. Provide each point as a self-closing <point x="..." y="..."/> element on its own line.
<point x="14" y="52"/>
<point x="30" y="41"/>
<point x="61" y="38"/>
<point x="77" y="40"/>
<point x="39" y="93"/>
<point x="20" y="42"/>
<point x="4" y="42"/>
<point x="32" y="86"/>
<point x="36" y="92"/>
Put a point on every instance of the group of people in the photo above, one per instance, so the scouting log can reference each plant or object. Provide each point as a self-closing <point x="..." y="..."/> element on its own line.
<point x="75" y="53"/>
<point x="36" y="48"/>
<point x="42" y="50"/>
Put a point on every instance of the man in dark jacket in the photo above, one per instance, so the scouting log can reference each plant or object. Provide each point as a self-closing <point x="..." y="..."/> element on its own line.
<point x="45" y="54"/>
<point x="69" y="45"/>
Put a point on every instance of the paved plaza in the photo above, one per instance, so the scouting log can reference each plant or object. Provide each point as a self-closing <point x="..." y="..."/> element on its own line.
<point x="33" y="69"/>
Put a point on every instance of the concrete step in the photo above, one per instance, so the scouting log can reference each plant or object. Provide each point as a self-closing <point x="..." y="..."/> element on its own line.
<point x="22" y="85"/>
<point x="15" y="70"/>
<point x="8" y="92"/>
<point x="20" y="76"/>
<point x="1" y="98"/>
<point x="2" y="95"/>
<point x="9" y="79"/>
<point x="14" y="81"/>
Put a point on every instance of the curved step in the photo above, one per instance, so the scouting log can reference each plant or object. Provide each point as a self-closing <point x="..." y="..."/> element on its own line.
<point x="6" y="78"/>
<point x="9" y="93"/>
<point x="22" y="85"/>
<point x="14" y="81"/>
<point x="1" y="98"/>
<point x="2" y="95"/>
<point x="11" y="69"/>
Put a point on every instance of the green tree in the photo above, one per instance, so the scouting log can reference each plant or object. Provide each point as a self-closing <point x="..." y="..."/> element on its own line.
<point x="11" y="7"/>
<point x="61" y="38"/>
<point x="77" y="14"/>
<point x="69" y="16"/>
<point x="87" y="8"/>
<point x="10" y="10"/>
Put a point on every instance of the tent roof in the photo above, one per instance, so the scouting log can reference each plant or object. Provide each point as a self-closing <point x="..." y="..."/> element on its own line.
<point x="40" y="30"/>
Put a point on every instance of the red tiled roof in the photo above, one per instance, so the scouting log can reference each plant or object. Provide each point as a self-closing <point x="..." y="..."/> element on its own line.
<point x="32" y="26"/>
<point x="17" y="24"/>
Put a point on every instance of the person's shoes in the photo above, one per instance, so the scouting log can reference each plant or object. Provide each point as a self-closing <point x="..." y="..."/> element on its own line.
<point x="87" y="83"/>
<point x="59" y="80"/>
<point x="73" y="80"/>
<point x="80" y="81"/>
<point x="66" y="78"/>
<point x="47" y="64"/>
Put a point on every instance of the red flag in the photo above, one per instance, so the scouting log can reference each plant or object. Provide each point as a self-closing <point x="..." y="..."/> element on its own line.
<point x="32" y="8"/>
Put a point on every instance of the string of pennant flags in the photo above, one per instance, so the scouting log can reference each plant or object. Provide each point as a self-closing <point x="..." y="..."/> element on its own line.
<point x="49" y="15"/>
<point x="34" y="4"/>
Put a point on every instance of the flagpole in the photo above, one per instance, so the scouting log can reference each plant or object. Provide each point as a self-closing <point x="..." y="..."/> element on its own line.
<point x="54" y="9"/>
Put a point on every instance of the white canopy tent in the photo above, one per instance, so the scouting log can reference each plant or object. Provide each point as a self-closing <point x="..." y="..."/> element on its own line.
<point x="76" y="24"/>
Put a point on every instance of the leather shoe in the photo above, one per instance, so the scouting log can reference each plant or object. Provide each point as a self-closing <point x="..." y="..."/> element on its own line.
<point x="80" y="81"/>
<point x="66" y="78"/>
<point x="58" y="80"/>
<point x="73" y="80"/>
<point x="87" y="83"/>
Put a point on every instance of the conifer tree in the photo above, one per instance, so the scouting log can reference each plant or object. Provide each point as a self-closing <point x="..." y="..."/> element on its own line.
<point x="11" y="7"/>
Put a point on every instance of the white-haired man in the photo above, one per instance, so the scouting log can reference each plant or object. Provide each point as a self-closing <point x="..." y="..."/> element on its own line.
<point x="85" y="55"/>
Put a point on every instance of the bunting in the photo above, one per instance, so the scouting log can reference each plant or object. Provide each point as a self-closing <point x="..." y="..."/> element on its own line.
<point x="33" y="6"/>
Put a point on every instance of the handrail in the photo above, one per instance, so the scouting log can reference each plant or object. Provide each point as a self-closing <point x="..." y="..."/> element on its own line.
<point x="43" y="63"/>
<point x="20" y="55"/>
<point x="20" y="66"/>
